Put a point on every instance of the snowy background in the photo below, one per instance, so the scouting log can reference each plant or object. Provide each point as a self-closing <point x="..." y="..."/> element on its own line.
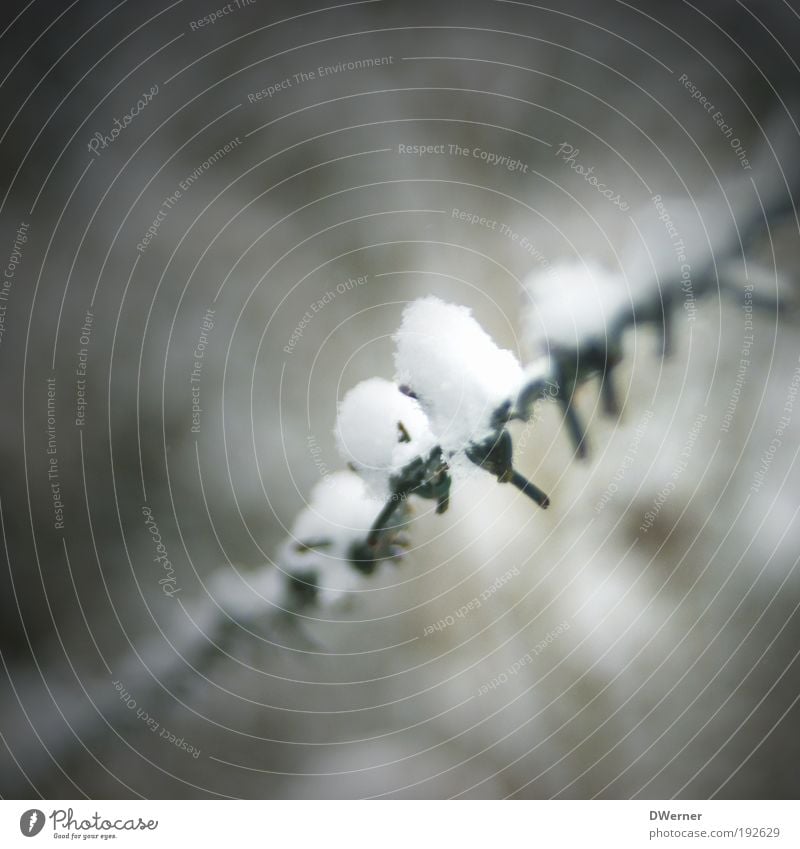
<point x="638" y="638"/>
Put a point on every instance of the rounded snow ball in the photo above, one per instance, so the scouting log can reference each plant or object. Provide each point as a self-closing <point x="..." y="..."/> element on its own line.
<point x="452" y="364"/>
<point x="379" y="430"/>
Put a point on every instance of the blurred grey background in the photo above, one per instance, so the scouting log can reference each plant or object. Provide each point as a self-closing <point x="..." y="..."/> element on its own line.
<point x="677" y="674"/>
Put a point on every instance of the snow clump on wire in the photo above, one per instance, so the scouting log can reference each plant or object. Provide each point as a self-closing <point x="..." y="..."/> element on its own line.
<point x="453" y="367"/>
<point x="379" y="431"/>
<point x="575" y="320"/>
<point x="324" y="556"/>
<point x="574" y="305"/>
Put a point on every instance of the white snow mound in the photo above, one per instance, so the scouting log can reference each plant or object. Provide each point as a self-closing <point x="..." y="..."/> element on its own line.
<point x="380" y="430"/>
<point x="460" y="376"/>
<point x="572" y="302"/>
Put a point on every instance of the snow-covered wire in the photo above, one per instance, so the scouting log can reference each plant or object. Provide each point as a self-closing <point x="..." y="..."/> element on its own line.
<point x="455" y="390"/>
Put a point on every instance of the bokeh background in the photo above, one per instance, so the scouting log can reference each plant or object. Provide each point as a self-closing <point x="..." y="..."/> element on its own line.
<point x="676" y="673"/>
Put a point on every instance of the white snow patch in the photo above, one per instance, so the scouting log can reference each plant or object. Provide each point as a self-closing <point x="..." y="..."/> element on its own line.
<point x="452" y="364"/>
<point x="573" y="302"/>
<point x="380" y="430"/>
<point x="340" y="513"/>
